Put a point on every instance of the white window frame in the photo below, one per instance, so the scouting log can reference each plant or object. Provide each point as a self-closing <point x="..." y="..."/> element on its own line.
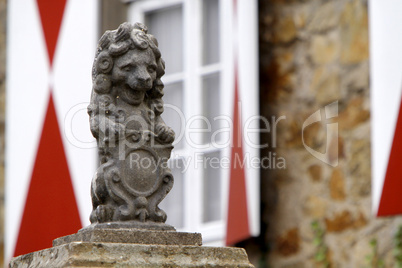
<point x="213" y="232"/>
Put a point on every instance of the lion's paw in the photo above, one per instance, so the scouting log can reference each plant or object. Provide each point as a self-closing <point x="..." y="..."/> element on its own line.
<point x="164" y="133"/>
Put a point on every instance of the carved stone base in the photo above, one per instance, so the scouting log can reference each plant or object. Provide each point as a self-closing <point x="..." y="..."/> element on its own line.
<point x="133" y="236"/>
<point x="130" y="225"/>
<point x="86" y="254"/>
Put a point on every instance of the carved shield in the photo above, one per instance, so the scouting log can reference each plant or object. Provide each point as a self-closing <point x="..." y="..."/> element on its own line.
<point x="141" y="172"/>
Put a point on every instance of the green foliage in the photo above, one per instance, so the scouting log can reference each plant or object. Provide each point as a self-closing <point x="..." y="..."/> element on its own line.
<point x="321" y="253"/>
<point x="398" y="247"/>
<point x="373" y="259"/>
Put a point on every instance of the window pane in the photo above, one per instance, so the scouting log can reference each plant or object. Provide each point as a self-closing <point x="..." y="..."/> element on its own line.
<point x="212" y="187"/>
<point x="211" y="104"/>
<point x="210" y="30"/>
<point x="167" y="26"/>
<point x="173" y="204"/>
<point x="173" y="100"/>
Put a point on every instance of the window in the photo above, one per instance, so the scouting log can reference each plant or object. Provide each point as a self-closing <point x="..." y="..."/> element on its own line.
<point x="193" y="39"/>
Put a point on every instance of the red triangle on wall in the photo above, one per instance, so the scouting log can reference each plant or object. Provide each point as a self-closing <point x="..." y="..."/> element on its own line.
<point x="50" y="210"/>
<point x="237" y="221"/>
<point x="51" y="15"/>
<point x="391" y="197"/>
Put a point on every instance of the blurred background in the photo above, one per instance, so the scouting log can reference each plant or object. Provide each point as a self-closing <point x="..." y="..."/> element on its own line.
<point x="318" y="86"/>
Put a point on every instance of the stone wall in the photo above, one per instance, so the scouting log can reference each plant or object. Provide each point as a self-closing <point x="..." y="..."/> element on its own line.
<point x="3" y="25"/>
<point x="313" y="53"/>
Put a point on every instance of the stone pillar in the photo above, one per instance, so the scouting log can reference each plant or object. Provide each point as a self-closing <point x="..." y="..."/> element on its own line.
<point x="108" y="247"/>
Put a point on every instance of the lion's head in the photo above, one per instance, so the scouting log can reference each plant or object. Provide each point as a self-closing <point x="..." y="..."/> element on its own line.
<point x="129" y="63"/>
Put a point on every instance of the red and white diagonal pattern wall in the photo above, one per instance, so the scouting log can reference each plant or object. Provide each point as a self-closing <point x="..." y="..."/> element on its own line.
<point x="386" y="98"/>
<point x="243" y="193"/>
<point x="50" y="154"/>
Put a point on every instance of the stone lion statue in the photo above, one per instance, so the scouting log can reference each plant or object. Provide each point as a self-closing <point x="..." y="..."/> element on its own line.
<point x="125" y="118"/>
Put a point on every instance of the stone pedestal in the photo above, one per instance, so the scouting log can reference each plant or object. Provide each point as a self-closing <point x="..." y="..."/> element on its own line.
<point x="93" y="254"/>
<point x="104" y="247"/>
<point x="144" y="237"/>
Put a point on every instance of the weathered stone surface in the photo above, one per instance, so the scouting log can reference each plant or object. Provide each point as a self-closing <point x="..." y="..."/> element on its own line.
<point x="314" y="136"/>
<point x="345" y="220"/>
<point x="356" y="78"/>
<point x="315" y="172"/>
<point x="284" y="29"/>
<point x="82" y="254"/>
<point x="337" y="185"/>
<point x="358" y="165"/>
<point x="301" y="16"/>
<point x="285" y="59"/>
<point x="354" y="114"/>
<point x="324" y="48"/>
<point x="326" y="85"/>
<point x="354" y="33"/>
<point x="133" y="224"/>
<point x="316" y="206"/>
<point x="289" y="243"/>
<point x="125" y="118"/>
<point x="134" y="236"/>
<point x="280" y="84"/>
<point x="325" y="17"/>
<point x="336" y="149"/>
<point x="362" y="248"/>
<point x="330" y="60"/>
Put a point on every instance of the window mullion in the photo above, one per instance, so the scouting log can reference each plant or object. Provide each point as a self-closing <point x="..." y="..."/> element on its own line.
<point x="227" y="86"/>
<point x="210" y="69"/>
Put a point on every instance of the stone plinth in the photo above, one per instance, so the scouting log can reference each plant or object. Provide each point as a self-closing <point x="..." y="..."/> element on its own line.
<point x="101" y="245"/>
<point x="133" y="236"/>
<point x="94" y="254"/>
